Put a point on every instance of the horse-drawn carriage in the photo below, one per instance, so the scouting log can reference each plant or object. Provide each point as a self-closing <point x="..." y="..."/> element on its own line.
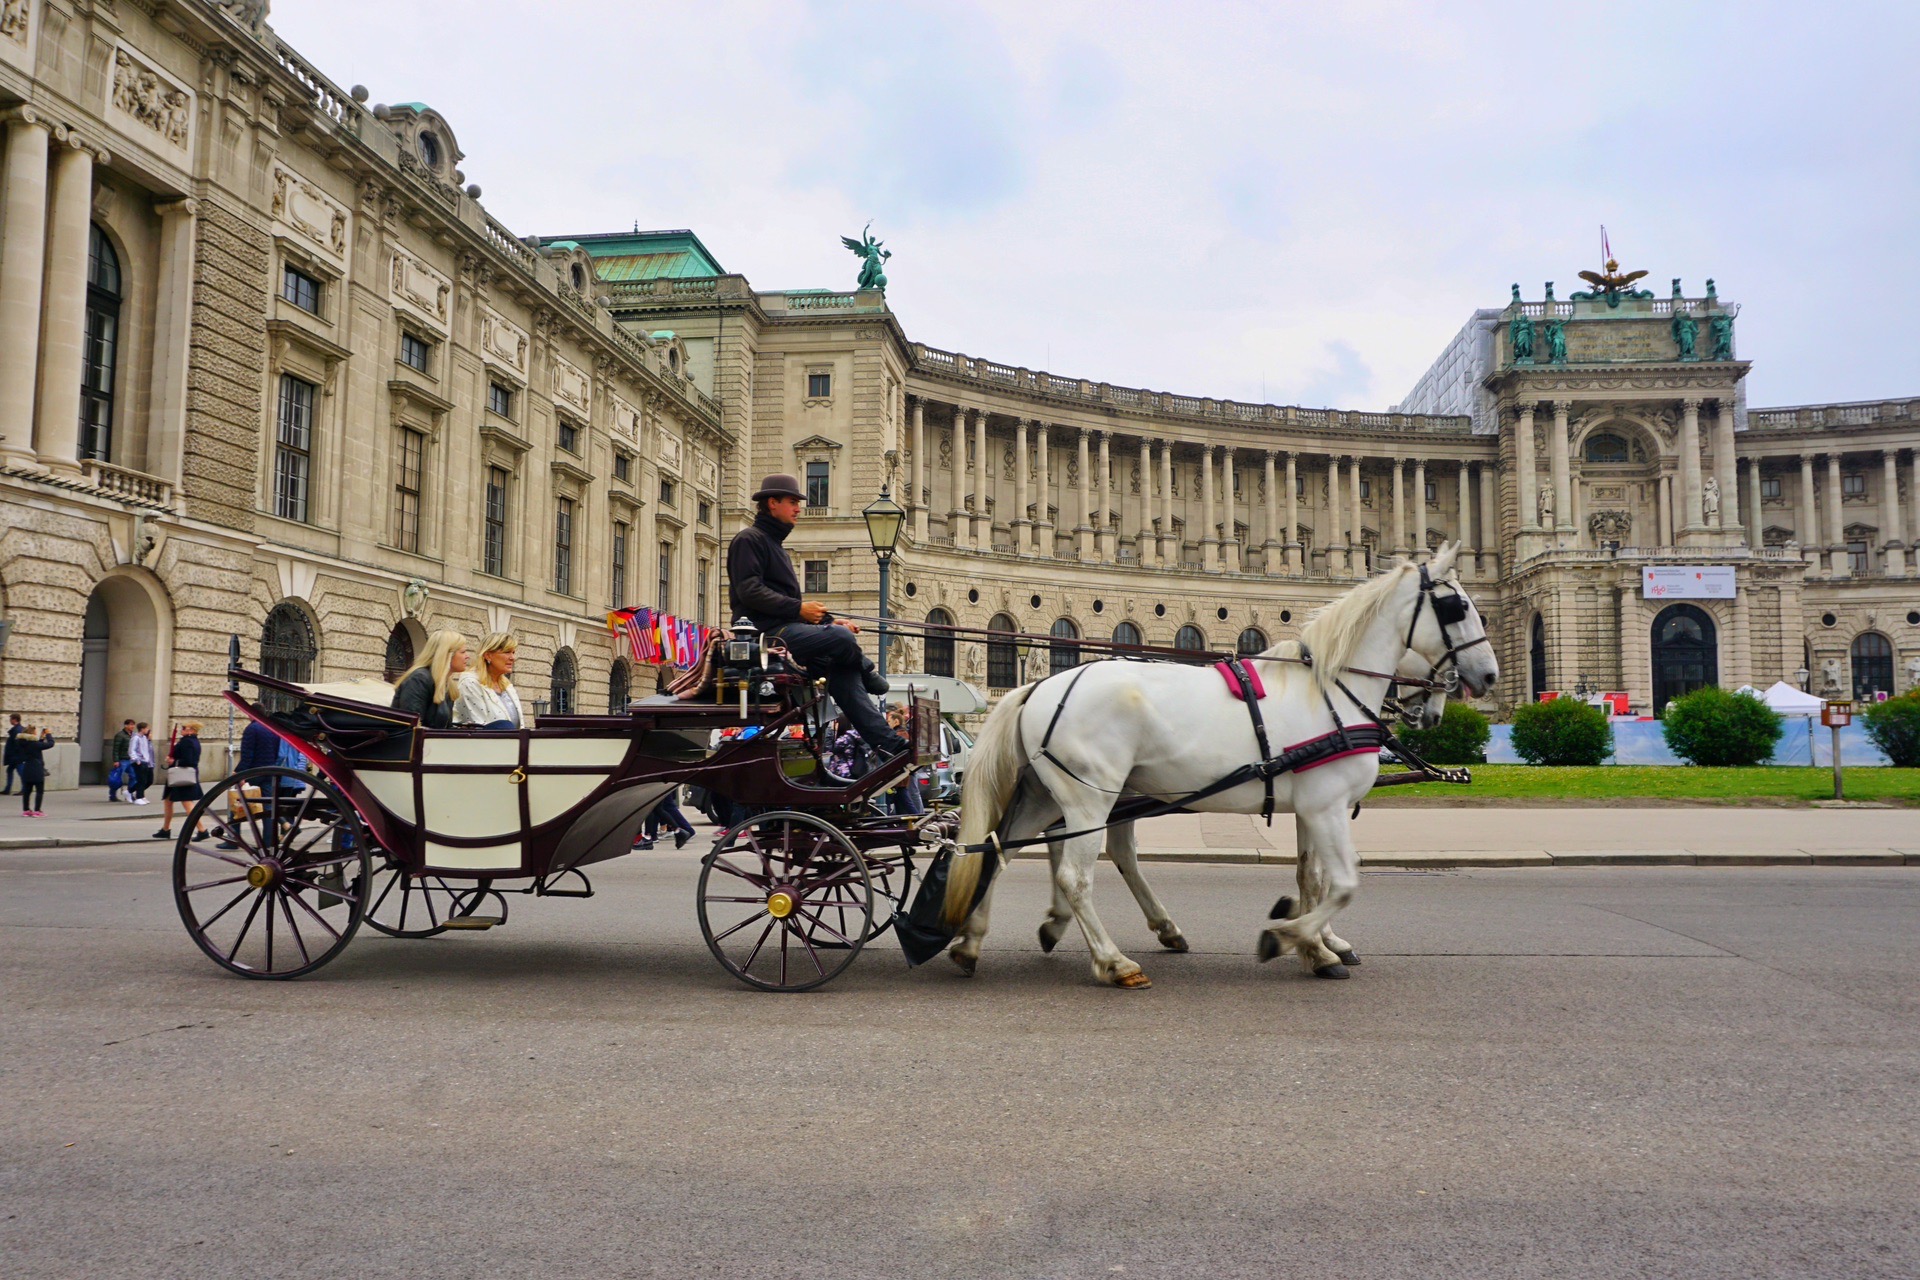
<point x="414" y="831"/>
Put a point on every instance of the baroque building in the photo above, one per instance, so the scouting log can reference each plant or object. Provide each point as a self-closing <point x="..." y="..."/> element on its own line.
<point x="270" y="369"/>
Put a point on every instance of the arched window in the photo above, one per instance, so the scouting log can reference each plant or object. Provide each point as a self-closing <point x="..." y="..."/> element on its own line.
<point x="288" y="650"/>
<point x="1685" y="653"/>
<point x="566" y="678"/>
<point x="619" y="687"/>
<point x="1872" y="656"/>
<point x="1253" y="640"/>
<point x="939" y="644"/>
<point x="102" y="350"/>
<point x="1063" y="657"/>
<point x="1191" y="639"/>
<point x="1127" y="636"/>
<point x="1605" y="447"/>
<point x="400" y="651"/>
<point x="1003" y="660"/>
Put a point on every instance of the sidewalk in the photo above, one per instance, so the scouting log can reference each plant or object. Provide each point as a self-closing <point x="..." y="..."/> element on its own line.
<point x="1387" y="837"/>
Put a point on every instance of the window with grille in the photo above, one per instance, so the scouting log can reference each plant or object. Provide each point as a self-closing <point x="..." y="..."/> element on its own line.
<point x="415" y="352"/>
<point x="1770" y="488"/>
<point x="288" y="651"/>
<point x="1605" y="447"/>
<point x="619" y="564"/>
<point x="814" y="575"/>
<point x="819" y="385"/>
<point x="1063" y="657"/>
<point x="817" y="487"/>
<point x="293" y="450"/>
<point x="563" y="546"/>
<point x="567" y="436"/>
<point x="500" y="400"/>
<point x="399" y="652"/>
<point x="939" y="644"/>
<point x="622" y="466"/>
<point x="102" y="347"/>
<point x="301" y="289"/>
<point x="705" y="513"/>
<point x="666" y="492"/>
<point x="495" y="549"/>
<point x="619" y="687"/>
<point x="1853" y="484"/>
<point x="408" y="455"/>
<point x="1127" y="636"/>
<point x="565" y="682"/>
<point x="1253" y="640"/>
<point x="1003" y="658"/>
<point x="1191" y="639"/>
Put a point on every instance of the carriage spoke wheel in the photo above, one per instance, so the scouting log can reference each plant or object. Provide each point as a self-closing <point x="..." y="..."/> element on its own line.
<point x="408" y="904"/>
<point x="785" y="901"/>
<point x="274" y="885"/>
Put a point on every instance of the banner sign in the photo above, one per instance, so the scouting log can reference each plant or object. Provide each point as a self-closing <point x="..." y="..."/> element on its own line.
<point x="1687" y="582"/>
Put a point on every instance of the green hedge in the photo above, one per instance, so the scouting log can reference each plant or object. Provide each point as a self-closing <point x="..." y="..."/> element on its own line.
<point x="1712" y="726"/>
<point x="1459" y="738"/>
<point x="1894" y="727"/>
<point x="1564" y="731"/>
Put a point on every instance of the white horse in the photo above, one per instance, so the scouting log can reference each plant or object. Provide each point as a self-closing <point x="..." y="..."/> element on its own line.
<point x="1066" y="749"/>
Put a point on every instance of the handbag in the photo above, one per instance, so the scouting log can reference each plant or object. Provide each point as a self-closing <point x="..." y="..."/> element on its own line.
<point x="183" y="775"/>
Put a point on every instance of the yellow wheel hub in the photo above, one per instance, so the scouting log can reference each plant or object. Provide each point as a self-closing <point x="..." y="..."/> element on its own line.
<point x="259" y="875"/>
<point x="780" y="904"/>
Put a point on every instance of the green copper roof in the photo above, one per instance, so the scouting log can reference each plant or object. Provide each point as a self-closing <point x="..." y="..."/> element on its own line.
<point x="646" y="255"/>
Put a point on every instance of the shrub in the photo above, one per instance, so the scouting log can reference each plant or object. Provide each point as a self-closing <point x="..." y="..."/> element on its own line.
<point x="1564" y="731"/>
<point x="1894" y="727"/>
<point x="1712" y="726"/>
<point x="1459" y="738"/>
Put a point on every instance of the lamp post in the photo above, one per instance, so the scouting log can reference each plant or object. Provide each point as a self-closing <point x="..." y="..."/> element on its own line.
<point x="883" y="517"/>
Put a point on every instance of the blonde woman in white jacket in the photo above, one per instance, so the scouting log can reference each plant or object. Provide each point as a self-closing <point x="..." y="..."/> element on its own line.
<point x="485" y="697"/>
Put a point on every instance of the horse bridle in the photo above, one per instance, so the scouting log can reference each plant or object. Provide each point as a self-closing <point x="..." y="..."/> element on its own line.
<point x="1449" y="611"/>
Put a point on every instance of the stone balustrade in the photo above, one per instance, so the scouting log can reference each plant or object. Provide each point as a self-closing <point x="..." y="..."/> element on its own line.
<point x="1863" y="413"/>
<point x="134" y="487"/>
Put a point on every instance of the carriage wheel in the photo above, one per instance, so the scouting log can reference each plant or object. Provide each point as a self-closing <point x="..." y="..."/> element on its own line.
<point x="785" y="901"/>
<point x="410" y="904"/>
<point x="275" y="888"/>
<point x="892" y="875"/>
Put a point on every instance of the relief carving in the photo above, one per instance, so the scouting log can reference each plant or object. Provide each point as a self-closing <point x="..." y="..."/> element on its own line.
<point x="420" y="286"/>
<point x="309" y="211"/>
<point x="706" y="474"/>
<point x="1610" y="524"/>
<point x="141" y="92"/>
<point x="571" y="386"/>
<point x="626" y="419"/>
<point x="504" y="341"/>
<point x="669" y="458"/>
<point x="13" y="21"/>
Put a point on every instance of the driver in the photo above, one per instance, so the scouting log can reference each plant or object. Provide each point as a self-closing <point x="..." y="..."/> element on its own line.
<point x="763" y="588"/>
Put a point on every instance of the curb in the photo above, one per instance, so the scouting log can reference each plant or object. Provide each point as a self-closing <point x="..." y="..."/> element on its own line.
<point x="1438" y="860"/>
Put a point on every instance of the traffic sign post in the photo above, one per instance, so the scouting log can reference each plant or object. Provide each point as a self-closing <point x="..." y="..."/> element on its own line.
<point x="1836" y="716"/>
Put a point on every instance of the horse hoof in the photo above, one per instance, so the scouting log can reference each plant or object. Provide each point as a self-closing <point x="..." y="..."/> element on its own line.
<point x="1348" y="957"/>
<point x="1135" y="981"/>
<point x="1281" y="909"/>
<point x="1177" y="942"/>
<point x="1048" y="941"/>
<point x="967" y="963"/>
<point x="1268" y="946"/>
<point x="1332" y="971"/>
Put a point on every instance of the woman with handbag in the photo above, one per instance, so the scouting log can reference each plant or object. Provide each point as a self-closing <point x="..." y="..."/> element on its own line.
<point x="183" y="778"/>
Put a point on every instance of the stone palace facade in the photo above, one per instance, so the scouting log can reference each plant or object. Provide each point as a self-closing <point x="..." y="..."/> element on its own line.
<point x="268" y="368"/>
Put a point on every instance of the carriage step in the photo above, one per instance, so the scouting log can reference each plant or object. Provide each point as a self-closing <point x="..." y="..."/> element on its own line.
<point x="473" y="922"/>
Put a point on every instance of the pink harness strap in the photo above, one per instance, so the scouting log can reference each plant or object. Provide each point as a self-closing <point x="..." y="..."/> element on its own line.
<point x="1233" y="682"/>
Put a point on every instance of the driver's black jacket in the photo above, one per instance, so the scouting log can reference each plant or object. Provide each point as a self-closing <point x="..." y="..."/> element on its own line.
<point x="761" y="585"/>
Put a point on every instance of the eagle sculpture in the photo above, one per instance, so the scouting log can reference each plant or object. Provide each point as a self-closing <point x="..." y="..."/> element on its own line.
<point x="1611" y="281"/>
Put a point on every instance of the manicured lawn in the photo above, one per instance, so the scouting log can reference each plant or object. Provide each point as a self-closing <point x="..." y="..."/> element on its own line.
<point x="1677" y="782"/>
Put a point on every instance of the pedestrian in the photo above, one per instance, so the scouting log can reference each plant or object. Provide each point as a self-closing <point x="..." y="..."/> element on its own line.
<point x="119" y="772"/>
<point x="183" y="779"/>
<point x="904" y="799"/>
<point x="140" y="753"/>
<point x="667" y="811"/>
<point x="12" y="757"/>
<point x="31" y="747"/>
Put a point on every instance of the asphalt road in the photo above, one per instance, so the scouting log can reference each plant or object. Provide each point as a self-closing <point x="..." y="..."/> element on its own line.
<point x="1566" y="1072"/>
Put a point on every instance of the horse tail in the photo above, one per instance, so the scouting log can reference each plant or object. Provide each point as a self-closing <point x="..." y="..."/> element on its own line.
<point x="993" y="776"/>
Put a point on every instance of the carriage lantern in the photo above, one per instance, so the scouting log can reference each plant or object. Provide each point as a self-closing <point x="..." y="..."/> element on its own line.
<point x="740" y="647"/>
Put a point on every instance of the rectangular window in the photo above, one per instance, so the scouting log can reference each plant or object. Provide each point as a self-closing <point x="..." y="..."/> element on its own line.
<point x="293" y="454"/>
<point x="495" y="550"/>
<point x="706" y="513"/>
<point x="619" y="564"/>
<point x="500" y="400"/>
<point x="563" y="546"/>
<point x="622" y="466"/>
<point x="1366" y="494"/>
<point x="700" y="606"/>
<point x="568" y="436"/>
<point x="301" y="289"/>
<point x="666" y="576"/>
<point x="1432" y="491"/>
<point x="816" y="582"/>
<point x="1299" y="484"/>
<point x="1770" y="488"/>
<point x="819" y="385"/>
<point x="1857" y="556"/>
<point x="817" y="487"/>
<point x="415" y="353"/>
<point x="1853" y="484"/>
<point x="409" y="450"/>
<point x="666" y="492"/>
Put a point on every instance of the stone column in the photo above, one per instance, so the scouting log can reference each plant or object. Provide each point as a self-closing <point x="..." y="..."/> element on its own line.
<point x="1336" y="520"/>
<point x="918" y="495"/>
<point x="1725" y="469"/>
<point x="1399" y="507"/>
<point x="957" y="522"/>
<point x="1105" y="536"/>
<point x="1489" y="520"/>
<point x="982" y="485"/>
<point x="1083" y="531"/>
<point x="1147" y="546"/>
<point x="1807" y="522"/>
<point x="23" y="185"/>
<point x="1043" y="473"/>
<point x="1525" y="474"/>
<point x="1466" y="515"/>
<point x="1890" y="511"/>
<point x="1270" y="559"/>
<point x="1172" y="554"/>
<point x="1419" y="508"/>
<point x="64" y="309"/>
<point x="1229" y="535"/>
<point x="1836" y="517"/>
<point x="1357" y="555"/>
<point x="1756" y="532"/>
<point x="1913" y="487"/>
<point x="1296" y="554"/>
<point x="1663" y="511"/>
<point x="1562" y="473"/>
<point x="173" y="320"/>
<point x="1021" y="523"/>
<point x="1695" y="522"/>
<point x="1209" y="540"/>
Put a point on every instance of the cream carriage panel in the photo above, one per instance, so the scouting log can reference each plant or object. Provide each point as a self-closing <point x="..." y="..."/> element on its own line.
<point x="470" y="804"/>
<point x="577" y="753"/>
<point x="392" y="790"/>
<point x="491" y="857"/>
<point x="502" y="750"/>
<point x="550" y="795"/>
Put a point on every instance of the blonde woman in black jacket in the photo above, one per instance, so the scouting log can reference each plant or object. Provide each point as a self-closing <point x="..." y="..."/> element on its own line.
<point x="427" y="687"/>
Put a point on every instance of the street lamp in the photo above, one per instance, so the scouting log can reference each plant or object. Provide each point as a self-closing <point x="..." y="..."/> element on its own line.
<point x="883" y="517"/>
<point x="1800" y="678"/>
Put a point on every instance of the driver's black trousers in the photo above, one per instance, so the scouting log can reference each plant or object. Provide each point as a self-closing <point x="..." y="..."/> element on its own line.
<point x="833" y="652"/>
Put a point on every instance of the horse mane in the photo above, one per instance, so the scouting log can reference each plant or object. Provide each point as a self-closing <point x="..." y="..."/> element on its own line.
<point x="1336" y="628"/>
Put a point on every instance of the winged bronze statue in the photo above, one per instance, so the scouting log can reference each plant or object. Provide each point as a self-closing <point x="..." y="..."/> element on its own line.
<point x="873" y="256"/>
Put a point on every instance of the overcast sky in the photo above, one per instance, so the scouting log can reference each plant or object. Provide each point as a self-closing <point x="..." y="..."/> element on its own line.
<point x="1294" y="202"/>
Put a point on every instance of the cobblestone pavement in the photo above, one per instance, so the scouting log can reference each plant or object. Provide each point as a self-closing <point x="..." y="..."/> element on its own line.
<point x="1592" y="1071"/>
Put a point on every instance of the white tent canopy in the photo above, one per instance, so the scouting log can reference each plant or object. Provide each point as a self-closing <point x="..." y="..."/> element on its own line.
<point x="1789" y="701"/>
<point x="957" y="697"/>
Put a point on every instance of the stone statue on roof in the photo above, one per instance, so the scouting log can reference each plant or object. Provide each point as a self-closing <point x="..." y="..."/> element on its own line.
<point x="1721" y="329"/>
<point x="1520" y="337"/>
<point x="1685" y="330"/>
<point x="872" y="258"/>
